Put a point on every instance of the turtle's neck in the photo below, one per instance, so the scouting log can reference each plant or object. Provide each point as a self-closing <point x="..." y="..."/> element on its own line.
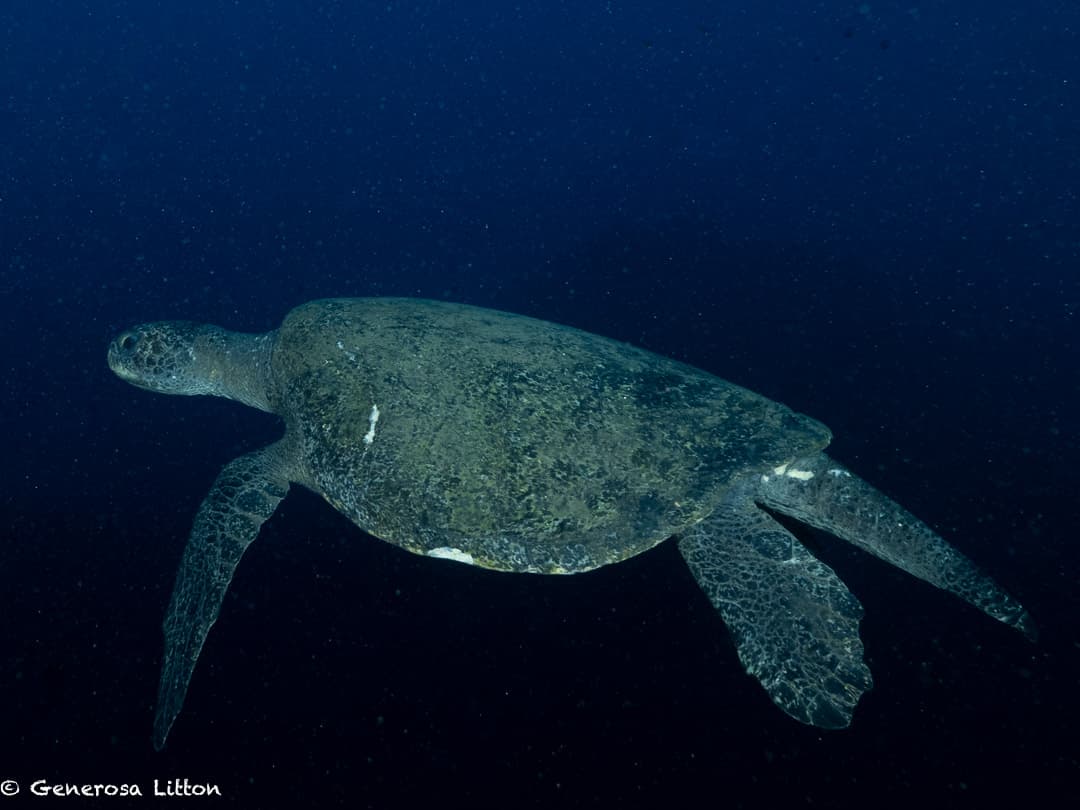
<point x="236" y="365"/>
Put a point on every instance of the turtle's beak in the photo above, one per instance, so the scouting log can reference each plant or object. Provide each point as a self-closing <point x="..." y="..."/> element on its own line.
<point x="120" y="351"/>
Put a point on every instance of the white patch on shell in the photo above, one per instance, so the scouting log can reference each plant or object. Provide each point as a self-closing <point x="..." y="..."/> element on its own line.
<point x="788" y="471"/>
<point x="836" y="472"/>
<point x="450" y="553"/>
<point x="373" y="417"/>
<point x="348" y="354"/>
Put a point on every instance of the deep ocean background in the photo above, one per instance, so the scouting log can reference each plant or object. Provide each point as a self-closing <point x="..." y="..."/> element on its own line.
<point x="868" y="212"/>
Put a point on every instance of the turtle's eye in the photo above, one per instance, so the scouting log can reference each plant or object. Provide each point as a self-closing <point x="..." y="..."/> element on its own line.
<point x="128" y="342"/>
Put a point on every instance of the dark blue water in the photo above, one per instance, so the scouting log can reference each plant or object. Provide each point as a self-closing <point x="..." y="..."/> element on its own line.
<point x="867" y="212"/>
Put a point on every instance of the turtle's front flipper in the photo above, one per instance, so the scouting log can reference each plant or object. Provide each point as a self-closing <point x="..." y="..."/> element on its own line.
<point x="795" y="624"/>
<point x="818" y="491"/>
<point x="245" y="494"/>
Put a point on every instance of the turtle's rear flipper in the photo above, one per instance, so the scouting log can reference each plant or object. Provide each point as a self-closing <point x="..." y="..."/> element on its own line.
<point x="245" y="494"/>
<point x="795" y="624"/>
<point x="818" y="491"/>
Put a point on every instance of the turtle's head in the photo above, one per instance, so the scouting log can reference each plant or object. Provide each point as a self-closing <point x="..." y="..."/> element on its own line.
<point x="160" y="357"/>
<point x="183" y="357"/>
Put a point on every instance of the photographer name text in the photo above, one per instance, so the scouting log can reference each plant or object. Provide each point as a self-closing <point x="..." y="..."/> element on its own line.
<point x="167" y="788"/>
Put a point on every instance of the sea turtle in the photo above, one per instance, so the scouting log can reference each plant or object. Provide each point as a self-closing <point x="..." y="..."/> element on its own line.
<point x="520" y="445"/>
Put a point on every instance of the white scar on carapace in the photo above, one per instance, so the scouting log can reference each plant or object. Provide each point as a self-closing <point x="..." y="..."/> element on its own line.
<point x="450" y="553"/>
<point x="791" y="472"/>
<point x="373" y="417"/>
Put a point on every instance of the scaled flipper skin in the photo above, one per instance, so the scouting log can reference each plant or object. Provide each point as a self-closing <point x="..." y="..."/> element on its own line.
<point x="794" y="623"/>
<point x="819" y="492"/>
<point x="245" y="494"/>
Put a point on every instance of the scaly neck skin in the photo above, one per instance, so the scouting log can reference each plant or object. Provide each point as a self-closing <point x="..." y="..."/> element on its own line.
<point x="235" y="365"/>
